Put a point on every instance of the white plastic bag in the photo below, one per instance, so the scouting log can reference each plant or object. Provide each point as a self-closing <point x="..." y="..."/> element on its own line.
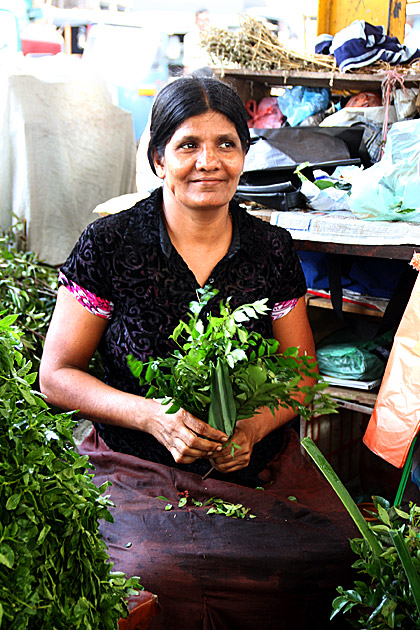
<point x="390" y="189"/>
<point x="328" y="198"/>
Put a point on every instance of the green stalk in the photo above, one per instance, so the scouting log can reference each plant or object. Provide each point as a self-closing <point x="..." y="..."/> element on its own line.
<point x="408" y="566"/>
<point x="222" y="410"/>
<point x="405" y="475"/>
<point x="342" y="493"/>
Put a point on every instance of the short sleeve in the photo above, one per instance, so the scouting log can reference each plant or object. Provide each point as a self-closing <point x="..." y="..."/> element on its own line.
<point x="94" y="304"/>
<point x="287" y="270"/>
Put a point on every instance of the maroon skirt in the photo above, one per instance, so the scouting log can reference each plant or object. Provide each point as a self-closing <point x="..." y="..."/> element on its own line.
<point x="277" y="571"/>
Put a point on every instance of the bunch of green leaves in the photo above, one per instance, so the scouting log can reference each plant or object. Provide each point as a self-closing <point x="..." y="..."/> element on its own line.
<point x="389" y="560"/>
<point x="55" y="571"/>
<point x="221" y="372"/>
<point x="28" y="288"/>
<point x="389" y="596"/>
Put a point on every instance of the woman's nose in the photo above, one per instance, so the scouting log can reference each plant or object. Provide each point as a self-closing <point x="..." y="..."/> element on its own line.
<point x="208" y="158"/>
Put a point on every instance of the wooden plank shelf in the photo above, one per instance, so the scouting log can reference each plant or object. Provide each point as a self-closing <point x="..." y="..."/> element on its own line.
<point x="337" y="80"/>
<point x="356" y="396"/>
<point x="356" y="309"/>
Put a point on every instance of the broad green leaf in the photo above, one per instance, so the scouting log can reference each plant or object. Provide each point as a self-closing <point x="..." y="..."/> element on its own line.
<point x="135" y="365"/>
<point x="240" y="317"/>
<point x="7" y="556"/>
<point x="256" y="375"/>
<point x="13" y="501"/>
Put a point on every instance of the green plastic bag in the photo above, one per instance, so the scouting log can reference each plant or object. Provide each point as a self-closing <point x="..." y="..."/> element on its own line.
<point x="343" y="355"/>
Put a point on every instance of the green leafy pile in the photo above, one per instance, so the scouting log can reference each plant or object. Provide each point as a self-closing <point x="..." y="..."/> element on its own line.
<point x="54" y="567"/>
<point x="389" y="560"/>
<point x="389" y="595"/>
<point x="28" y="288"/>
<point x="221" y="372"/>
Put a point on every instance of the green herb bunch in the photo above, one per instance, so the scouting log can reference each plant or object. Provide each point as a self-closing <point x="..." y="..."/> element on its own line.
<point x="389" y="595"/>
<point x="389" y="561"/>
<point x="28" y="288"/>
<point x="55" y="571"/>
<point x="221" y="372"/>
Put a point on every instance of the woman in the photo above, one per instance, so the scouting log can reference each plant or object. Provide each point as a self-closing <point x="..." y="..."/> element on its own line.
<point x="125" y="286"/>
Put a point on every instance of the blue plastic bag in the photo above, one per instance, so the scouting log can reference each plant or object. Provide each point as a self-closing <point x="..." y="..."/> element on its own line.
<point x="298" y="102"/>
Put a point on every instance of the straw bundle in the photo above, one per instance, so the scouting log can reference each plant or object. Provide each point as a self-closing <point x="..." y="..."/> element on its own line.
<point x="255" y="47"/>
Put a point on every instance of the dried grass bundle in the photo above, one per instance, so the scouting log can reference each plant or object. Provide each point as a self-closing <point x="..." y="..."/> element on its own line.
<point x="256" y="48"/>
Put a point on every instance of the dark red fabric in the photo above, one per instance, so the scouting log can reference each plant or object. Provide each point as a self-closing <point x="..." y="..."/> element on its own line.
<point x="278" y="571"/>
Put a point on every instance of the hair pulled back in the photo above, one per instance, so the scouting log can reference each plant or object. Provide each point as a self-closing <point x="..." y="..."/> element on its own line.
<point x="192" y="96"/>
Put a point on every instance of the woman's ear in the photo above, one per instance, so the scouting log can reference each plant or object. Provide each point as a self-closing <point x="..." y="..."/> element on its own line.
<point x="159" y="164"/>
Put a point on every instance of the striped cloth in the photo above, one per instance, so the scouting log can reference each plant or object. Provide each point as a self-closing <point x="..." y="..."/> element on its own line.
<point x="362" y="44"/>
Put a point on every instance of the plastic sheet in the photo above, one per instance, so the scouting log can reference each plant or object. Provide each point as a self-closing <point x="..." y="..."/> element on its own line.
<point x="396" y="417"/>
<point x="390" y="189"/>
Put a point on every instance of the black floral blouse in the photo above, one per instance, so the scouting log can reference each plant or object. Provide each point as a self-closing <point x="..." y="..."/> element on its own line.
<point x="124" y="268"/>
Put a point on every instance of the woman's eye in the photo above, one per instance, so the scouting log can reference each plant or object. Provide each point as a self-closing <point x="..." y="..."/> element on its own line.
<point x="187" y="145"/>
<point x="227" y="144"/>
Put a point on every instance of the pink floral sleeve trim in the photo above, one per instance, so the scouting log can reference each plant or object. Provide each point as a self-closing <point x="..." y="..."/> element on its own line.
<point x="283" y="308"/>
<point x="96" y="305"/>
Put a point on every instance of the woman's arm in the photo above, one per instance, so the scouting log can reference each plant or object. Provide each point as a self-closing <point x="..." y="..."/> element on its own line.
<point x="73" y="336"/>
<point x="291" y="330"/>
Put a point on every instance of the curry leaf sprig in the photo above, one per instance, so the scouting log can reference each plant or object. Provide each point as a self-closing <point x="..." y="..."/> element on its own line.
<point x="219" y="369"/>
<point x="55" y="571"/>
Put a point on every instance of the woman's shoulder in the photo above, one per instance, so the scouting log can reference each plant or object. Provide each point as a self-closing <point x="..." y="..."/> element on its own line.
<point x="139" y="221"/>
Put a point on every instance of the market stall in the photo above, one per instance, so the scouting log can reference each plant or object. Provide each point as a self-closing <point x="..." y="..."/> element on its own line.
<point x="260" y="68"/>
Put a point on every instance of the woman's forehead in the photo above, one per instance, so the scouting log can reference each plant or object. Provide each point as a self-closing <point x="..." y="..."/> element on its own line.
<point x="211" y="122"/>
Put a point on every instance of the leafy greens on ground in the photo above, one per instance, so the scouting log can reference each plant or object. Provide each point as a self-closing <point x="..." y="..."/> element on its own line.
<point x="28" y="289"/>
<point x="55" y="571"/>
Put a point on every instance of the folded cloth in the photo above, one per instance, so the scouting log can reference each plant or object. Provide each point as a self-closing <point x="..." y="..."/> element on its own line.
<point x="361" y="44"/>
<point x="277" y="571"/>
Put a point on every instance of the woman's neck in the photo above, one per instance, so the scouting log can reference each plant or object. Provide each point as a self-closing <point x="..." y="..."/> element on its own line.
<point x="202" y="237"/>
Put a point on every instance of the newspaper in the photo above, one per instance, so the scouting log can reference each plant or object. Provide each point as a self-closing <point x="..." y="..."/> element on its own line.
<point x="342" y="226"/>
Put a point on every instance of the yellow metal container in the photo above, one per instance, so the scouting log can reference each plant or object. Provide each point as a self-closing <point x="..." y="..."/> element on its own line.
<point x="334" y="15"/>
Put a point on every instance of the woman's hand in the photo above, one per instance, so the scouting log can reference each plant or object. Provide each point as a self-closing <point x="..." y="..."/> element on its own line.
<point x="186" y="437"/>
<point x="244" y="437"/>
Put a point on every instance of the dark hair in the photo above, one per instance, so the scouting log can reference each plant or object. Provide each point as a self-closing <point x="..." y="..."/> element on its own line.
<point x="192" y="96"/>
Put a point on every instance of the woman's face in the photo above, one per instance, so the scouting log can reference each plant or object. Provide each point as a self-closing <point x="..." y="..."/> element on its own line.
<point x="202" y="162"/>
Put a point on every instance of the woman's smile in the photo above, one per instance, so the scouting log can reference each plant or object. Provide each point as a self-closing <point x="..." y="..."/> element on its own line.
<point x="202" y="163"/>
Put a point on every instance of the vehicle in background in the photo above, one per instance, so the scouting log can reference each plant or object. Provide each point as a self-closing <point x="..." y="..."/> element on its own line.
<point x="21" y="32"/>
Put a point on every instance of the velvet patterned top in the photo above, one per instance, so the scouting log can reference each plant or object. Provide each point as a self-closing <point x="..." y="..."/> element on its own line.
<point x="124" y="268"/>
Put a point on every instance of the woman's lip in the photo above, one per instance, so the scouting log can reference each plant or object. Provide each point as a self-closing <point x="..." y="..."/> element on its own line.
<point x="206" y="181"/>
